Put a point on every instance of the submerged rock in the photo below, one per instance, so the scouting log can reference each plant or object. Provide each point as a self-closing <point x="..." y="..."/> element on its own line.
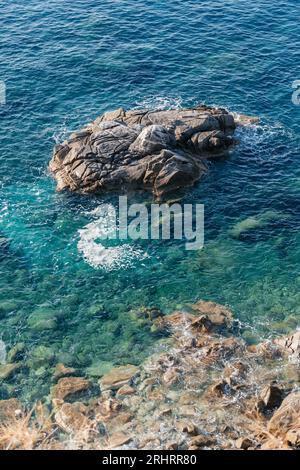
<point x="69" y="387"/>
<point x="62" y="371"/>
<point x="7" y="307"/>
<point x="118" y="377"/>
<point x="7" y="371"/>
<point x="202" y="389"/>
<point x="42" y="319"/>
<point x="71" y="418"/>
<point x="99" y="368"/>
<point x="159" y="151"/>
<point x="41" y="356"/>
<point x="118" y="439"/>
<point x="245" y="227"/>
<point x="16" y="353"/>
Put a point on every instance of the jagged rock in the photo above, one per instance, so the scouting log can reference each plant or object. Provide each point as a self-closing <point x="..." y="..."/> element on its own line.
<point x="216" y="313"/>
<point x="171" y="376"/>
<point x="293" y="437"/>
<point x="108" y="408"/>
<point x="118" y="377"/>
<point x="165" y="412"/>
<point x="271" y="397"/>
<point x="235" y="373"/>
<point x="158" y="150"/>
<point x="70" y="417"/>
<point x="186" y="427"/>
<point x="244" y="443"/>
<point x="9" y="409"/>
<point x="68" y="386"/>
<point x="171" y="446"/>
<point x="154" y="395"/>
<point x="290" y="345"/>
<point x="286" y="418"/>
<point x="202" y="441"/>
<point x="224" y="349"/>
<point x="274" y="444"/>
<point x="212" y="317"/>
<point x="219" y="390"/>
<point x="187" y="410"/>
<point x="146" y="314"/>
<point x="43" y="416"/>
<point x="175" y="320"/>
<point x="202" y="324"/>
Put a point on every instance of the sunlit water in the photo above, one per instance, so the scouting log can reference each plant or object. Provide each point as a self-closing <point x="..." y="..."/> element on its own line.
<point x="65" y="63"/>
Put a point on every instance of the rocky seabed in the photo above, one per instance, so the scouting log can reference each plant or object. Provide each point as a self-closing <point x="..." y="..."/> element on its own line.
<point x="205" y="388"/>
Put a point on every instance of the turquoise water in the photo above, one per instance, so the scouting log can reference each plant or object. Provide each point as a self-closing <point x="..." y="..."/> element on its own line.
<point x="65" y="63"/>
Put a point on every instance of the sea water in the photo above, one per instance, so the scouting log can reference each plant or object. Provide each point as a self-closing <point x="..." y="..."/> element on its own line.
<point x="65" y="63"/>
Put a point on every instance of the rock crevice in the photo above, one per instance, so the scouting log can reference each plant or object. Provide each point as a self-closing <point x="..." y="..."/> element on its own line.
<point x="157" y="151"/>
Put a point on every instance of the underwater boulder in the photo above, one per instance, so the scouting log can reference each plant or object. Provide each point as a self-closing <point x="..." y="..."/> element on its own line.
<point x="43" y="318"/>
<point x="250" y="226"/>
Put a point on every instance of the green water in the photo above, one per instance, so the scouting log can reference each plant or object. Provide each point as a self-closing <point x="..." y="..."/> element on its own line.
<point x="66" y="63"/>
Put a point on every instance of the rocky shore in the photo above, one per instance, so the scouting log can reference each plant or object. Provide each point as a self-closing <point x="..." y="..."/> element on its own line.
<point x="157" y="151"/>
<point x="204" y="388"/>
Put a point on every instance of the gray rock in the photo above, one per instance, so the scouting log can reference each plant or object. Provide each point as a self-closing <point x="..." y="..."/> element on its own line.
<point x="158" y="151"/>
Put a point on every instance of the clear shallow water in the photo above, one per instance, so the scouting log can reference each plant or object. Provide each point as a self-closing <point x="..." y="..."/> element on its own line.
<point x="66" y="63"/>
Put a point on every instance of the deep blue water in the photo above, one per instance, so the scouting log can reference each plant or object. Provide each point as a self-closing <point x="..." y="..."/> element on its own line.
<point x="65" y="63"/>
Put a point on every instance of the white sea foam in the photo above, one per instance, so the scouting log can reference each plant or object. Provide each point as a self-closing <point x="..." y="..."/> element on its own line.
<point x="97" y="254"/>
<point x="160" y="102"/>
<point x="255" y="135"/>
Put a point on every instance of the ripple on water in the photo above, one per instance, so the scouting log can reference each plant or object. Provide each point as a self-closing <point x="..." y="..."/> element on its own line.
<point x="65" y="63"/>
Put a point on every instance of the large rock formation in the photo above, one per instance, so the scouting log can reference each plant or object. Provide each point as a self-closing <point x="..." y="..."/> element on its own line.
<point x="158" y="151"/>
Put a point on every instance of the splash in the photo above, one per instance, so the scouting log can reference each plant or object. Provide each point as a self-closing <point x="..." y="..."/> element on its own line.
<point x="260" y="136"/>
<point x="97" y="254"/>
<point x="160" y="102"/>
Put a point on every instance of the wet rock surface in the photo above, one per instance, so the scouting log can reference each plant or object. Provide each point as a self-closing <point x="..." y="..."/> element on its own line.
<point x="158" y="151"/>
<point x="202" y="389"/>
<point x="69" y="386"/>
<point x="118" y="377"/>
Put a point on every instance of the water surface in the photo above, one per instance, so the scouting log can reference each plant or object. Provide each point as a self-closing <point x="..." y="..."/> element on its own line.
<point x="65" y="63"/>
